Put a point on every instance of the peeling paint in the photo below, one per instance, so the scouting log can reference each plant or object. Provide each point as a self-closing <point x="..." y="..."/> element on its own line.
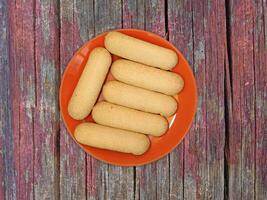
<point x="45" y="12"/>
<point x="27" y="88"/>
<point x="72" y="164"/>
<point x="81" y="16"/>
<point x="47" y="161"/>
<point x="49" y="84"/>
<point x="200" y="51"/>
<point x="67" y="10"/>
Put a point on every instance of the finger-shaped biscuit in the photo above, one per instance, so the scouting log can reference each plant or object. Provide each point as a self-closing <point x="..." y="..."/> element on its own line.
<point x="109" y="114"/>
<point x="146" y="77"/>
<point x="104" y="137"/>
<point x="139" y="99"/>
<point x="89" y="84"/>
<point x="140" y="51"/>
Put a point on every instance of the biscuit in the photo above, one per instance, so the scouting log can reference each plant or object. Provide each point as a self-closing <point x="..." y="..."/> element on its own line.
<point x="140" y="51"/>
<point x="139" y="99"/>
<point x="109" y="114"/>
<point x="104" y="137"/>
<point x="146" y="77"/>
<point x="90" y="83"/>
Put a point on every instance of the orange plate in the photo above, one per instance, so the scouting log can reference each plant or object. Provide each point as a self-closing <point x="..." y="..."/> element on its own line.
<point x="160" y="146"/>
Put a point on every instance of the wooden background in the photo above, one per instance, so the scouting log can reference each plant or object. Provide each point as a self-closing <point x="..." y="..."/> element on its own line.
<point x="224" y="155"/>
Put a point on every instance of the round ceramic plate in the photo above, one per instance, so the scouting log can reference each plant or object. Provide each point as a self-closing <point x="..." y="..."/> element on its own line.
<point x="179" y="124"/>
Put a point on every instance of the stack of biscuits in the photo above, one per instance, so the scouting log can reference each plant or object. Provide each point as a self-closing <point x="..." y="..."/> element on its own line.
<point x="136" y="104"/>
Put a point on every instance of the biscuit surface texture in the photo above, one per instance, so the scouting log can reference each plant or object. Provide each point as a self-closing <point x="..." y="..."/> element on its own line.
<point x="139" y="99"/>
<point x="109" y="114"/>
<point x="111" y="138"/>
<point x="90" y="83"/>
<point x="140" y="51"/>
<point x="146" y="77"/>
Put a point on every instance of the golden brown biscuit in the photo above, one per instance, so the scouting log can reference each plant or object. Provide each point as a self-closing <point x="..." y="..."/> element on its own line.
<point x="89" y="84"/>
<point x="146" y="77"/>
<point x="140" y="51"/>
<point x="111" y="138"/>
<point x="109" y="114"/>
<point x="139" y="99"/>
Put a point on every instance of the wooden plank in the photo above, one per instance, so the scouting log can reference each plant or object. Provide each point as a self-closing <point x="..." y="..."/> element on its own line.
<point x="134" y="17"/>
<point x="152" y="180"/>
<point x="145" y="180"/>
<point x="120" y="182"/>
<point x="215" y="61"/>
<point x="260" y="61"/>
<point x="23" y="93"/>
<point x="147" y="176"/>
<point x="209" y="62"/>
<point x="7" y="172"/>
<point x="194" y="27"/>
<point x="111" y="182"/>
<point x="107" y="15"/>
<point x="181" y="35"/>
<point x="159" y="171"/>
<point x="242" y="133"/>
<point x="75" y="29"/>
<point x="133" y="14"/>
<point x="46" y="115"/>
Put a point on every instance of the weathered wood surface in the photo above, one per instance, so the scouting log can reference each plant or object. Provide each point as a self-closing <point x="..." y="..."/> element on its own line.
<point x="200" y="34"/>
<point x="222" y="157"/>
<point x="23" y="94"/>
<point x="72" y="158"/>
<point x="46" y="116"/>
<point x="7" y="165"/>
<point x="248" y="116"/>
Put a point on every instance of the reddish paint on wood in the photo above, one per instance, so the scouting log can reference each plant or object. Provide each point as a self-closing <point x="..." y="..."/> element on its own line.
<point x="180" y="34"/>
<point x="134" y="17"/>
<point x="96" y="171"/>
<point x="92" y="176"/>
<point x="152" y="181"/>
<point x="72" y="158"/>
<point x="7" y="173"/>
<point x="78" y="24"/>
<point x="215" y="61"/>
<point x="260" y="66"/>
<point x="242" y="132"/>
<point x="133" y="14"/>
<point x="231" y="101"/>
<point x="195" y="148"/>
<point x="46" y="118"/>
<point x="23" y="93"/>
<point x="112" y="182"/>
<point x="189" y="22"/>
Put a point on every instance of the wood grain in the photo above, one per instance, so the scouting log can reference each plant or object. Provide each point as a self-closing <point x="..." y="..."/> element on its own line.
<point x="152" y="180"/>
<point x="215" y="61"/>
<point x="22" y="63"/>
<point x="116" y="182"/>
<point x="7" y="173"/>
<point x="181" y="35"/>
<point x="46" y="113"/>
<point x="260" y="63"/>
<point x="133" y="14"/>
<point x="155" y="22"/>
<point x="222" y="157"/>
<point x="137" y="14"/>
<point x="74" y="31"/>
<point x="194" y="28"/>
<point x="134" y="17"/>
<point x="242" y="132"/>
